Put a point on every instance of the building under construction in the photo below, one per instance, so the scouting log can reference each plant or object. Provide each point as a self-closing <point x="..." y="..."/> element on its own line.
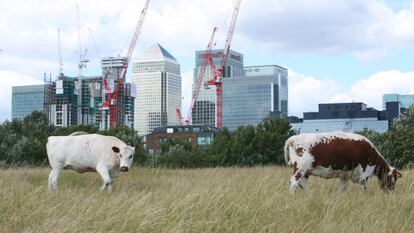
<point x="72" y="101"/>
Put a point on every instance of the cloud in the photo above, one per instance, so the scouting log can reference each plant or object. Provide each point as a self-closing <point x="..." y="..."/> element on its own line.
<point x="7" y="80"/>
<point x="368" y="29"/>
<point x="306" y="92"/>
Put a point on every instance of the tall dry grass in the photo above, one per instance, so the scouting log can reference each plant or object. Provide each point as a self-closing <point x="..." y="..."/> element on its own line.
<point x="204" y="200"/>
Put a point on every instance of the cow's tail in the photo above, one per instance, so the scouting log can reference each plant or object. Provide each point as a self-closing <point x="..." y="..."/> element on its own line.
<point x="288" y="143"/>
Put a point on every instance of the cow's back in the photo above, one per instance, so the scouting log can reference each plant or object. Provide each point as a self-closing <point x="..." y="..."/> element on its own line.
<point x="338" y="150"/>
<point x="80" y="150"/>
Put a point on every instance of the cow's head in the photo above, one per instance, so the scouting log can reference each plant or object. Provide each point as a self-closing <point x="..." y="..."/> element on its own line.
<point x="389" y="179"/>
<point x="125" y="155"/>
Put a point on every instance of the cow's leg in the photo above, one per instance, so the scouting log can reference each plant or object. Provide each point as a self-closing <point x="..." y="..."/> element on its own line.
<point x="342" y="184"/>
<point x="303" y="183"/>
<point x="364" y="184"/>
<point x="298" y="180"/>
<point x="107" y="181"/>
<point x="54" y="178"/>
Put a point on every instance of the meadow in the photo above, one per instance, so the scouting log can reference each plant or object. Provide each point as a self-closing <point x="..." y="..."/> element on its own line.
<point x="199" y="200"/>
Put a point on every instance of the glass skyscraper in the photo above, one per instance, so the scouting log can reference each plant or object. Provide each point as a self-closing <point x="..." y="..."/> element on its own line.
<point x="204" y="111"/>
<point x="261" y="93"/>
<point x="26" y="99"/>
<point x="157" y="78"/>
<point x="405" y="101"/>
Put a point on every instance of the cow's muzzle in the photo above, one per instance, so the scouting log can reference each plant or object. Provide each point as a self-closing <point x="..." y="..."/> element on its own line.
<point x="124" y="169"/>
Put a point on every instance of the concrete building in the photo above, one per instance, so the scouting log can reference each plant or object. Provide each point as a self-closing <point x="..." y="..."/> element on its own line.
<point x="26" y="99"/>
<point x="348" y="117"/>
<point x="204" y="111"/>
<point x="263" y="92"/>
<point x="197" y="135"/>
<point x="62" y="99"/>
<point x="157" y="77"/>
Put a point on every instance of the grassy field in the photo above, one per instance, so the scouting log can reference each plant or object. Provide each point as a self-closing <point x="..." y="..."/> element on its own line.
<point x="204" y="200"/>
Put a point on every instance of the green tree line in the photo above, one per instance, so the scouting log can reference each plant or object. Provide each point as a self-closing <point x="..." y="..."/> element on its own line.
<point x="24" y="141"/>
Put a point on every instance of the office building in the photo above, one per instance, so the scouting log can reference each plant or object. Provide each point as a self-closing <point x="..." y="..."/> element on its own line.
<point x="348" y="117"/>
<point x="204" y="111"/>
<point x="26" y="99"/>
<point x="197" y="135"/>
<point x="111" y="70"/>
<point x="262" y="93"/>
<point x="157" y="77"/>
<point x="405" y="101"/>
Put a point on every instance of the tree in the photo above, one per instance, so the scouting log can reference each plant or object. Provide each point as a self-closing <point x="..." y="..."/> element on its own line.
<point x="271" y="137"/>
<point x="401" y="138"/>
<point x="220" y="150"/>
<point x="175" y="153"/>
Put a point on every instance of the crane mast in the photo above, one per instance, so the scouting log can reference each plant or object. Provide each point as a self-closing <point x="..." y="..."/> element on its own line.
<point x="218" y="73"/>
<point x="200" y="79"/>
<point x="112" y="103"/>
<point x="60" y="55"/>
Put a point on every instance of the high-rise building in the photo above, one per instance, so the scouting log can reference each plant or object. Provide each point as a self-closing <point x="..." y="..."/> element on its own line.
<point x="62" y="101"/>
<point x="26" y="99"/>
<point x="204" y="111"/>
<point x="260" y="94"/>
<point x="405" y="101"/>
<point x="111" y="69"/>
<point x="157" y="77"/>
<point x="63" y="98"/>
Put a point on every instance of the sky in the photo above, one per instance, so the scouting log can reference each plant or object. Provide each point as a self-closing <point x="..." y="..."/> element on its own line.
<point x="334" y="50"/>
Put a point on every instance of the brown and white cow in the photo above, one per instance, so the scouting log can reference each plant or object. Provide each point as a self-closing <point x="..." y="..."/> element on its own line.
<point x="346" y="156"/>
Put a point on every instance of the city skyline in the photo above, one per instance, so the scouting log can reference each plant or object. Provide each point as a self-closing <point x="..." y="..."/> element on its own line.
<point x="335" y="51"/>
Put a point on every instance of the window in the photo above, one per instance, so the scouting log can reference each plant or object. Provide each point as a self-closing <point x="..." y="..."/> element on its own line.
<point x="204" y="140"/>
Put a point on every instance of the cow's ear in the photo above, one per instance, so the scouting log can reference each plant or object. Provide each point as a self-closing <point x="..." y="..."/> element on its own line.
<point x="115" y="149"/>
<point x="399" y="175"/>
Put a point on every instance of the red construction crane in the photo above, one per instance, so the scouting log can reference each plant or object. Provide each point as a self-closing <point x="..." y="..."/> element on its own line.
<point x="200" y="79"/>
<point x="218" y="73"/>
<point x="111" y="102"/>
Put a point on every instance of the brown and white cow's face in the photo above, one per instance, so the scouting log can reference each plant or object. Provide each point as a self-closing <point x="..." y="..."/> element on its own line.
<point x="389" y="179"/>
<point x="126" y="156"/>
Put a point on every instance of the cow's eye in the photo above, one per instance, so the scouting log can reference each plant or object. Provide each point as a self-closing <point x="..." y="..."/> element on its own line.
<point x="120" y="155"/>
<point x="130" y="157"/>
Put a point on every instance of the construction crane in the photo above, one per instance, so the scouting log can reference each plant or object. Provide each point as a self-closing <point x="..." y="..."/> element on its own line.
<point x="218" y="73"/>
<point x="111" y="102"/>
<point x="200" y="79"/>
<point x="60" y="55"/>
<point x="82" y="64"/>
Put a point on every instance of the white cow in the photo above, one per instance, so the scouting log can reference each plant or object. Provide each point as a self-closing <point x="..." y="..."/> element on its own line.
<point x="83" y="152"/>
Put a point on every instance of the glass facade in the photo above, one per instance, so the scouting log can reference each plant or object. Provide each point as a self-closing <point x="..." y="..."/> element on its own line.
<point x="346" y="125"/>
<point x="279" y="77"/>
<point x="247" y="101"/>
<point x="204" y="111"/>
<point x="156" y="76"/>
<point x="26" y="99"/>
<point x="348" y="117"/>
<point x="405" y="100"/>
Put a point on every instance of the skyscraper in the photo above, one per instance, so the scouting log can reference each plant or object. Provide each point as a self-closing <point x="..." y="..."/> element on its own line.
<point x="111" y="69"/>
<point x="157" y="77"/>
<point x="261" y="93"/>
<point x="204" y="111"/>
<point x="26" y="99"/>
